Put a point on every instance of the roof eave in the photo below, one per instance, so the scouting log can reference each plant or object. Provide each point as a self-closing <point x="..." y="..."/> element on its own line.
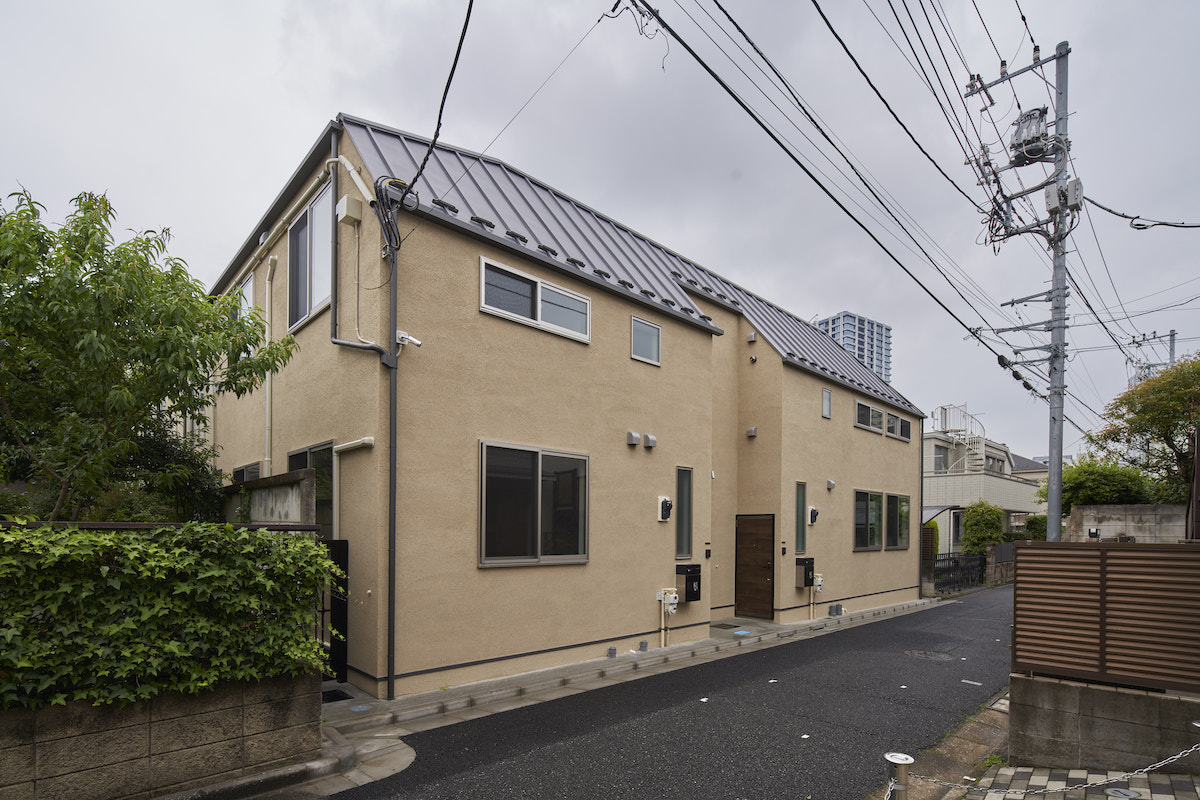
<point x="315" y="157"/>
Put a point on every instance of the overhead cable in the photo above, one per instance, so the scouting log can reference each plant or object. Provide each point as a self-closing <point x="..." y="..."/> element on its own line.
<point x="892" y="111"/>
<point x="1139" y="223"/>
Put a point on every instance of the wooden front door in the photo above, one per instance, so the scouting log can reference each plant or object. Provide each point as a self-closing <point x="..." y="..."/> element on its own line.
<point x="754" y="567"/>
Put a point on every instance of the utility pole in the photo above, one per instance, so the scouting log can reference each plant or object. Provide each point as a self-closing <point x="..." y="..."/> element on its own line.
<point x="1146" y="369"/>
<point x="1031" y="144"/>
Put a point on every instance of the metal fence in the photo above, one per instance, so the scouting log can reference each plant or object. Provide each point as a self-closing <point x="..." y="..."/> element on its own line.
<point x="956" y="571"/>
<point x="1126" y="614"/>
<point x="333" y="615"/>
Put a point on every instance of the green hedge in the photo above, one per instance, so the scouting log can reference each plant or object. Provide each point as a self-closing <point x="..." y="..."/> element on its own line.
<point x="120" y="616"/>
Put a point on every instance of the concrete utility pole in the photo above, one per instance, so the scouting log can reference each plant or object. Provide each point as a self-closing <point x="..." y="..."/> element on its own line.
<point x="1064" y="197"/>
<point x="1058" y="307"/>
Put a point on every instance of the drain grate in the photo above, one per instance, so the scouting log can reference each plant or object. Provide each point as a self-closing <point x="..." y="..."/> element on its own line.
<point x="724" y="626"/>
<point x="333" y="695"/>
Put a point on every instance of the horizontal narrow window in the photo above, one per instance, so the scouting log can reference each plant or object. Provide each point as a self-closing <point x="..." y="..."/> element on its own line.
<point x="898" y="427"/>
<point x="526" y="299"/>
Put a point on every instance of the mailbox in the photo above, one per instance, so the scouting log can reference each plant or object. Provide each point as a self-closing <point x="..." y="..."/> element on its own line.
<point x="805" y="569"/>
<point x="687" y="582"/>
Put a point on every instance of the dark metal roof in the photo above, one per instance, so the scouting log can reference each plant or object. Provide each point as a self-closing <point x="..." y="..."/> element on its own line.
<point x="1023" y="464"/>
<point x="488" y="199"/>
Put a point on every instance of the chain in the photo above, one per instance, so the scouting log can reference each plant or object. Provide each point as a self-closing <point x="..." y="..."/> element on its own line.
<point x="891" y="785"/>
<point x="1170" y="760"/>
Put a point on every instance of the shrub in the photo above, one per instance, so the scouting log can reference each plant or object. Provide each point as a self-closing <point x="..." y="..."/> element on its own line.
<point x="1035" y="527"/>
<point x="117" y="616"/>
<point x="983" y="524"/>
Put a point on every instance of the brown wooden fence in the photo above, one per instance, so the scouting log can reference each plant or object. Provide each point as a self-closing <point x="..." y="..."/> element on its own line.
<point x="1126" y="614"/>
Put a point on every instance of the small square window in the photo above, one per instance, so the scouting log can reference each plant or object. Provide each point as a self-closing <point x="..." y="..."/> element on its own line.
<point x="645" y="341"/>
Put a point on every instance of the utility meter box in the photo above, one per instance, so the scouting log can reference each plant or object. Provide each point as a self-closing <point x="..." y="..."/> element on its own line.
<point x="805" y="571"/>
<point x="687" y="582"/>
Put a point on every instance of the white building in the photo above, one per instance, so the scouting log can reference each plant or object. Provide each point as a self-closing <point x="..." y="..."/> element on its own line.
<point x="962" y="466"/>
<point x="869" y="340"/>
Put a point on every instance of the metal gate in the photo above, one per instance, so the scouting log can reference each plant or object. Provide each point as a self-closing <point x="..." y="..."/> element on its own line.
<point x="333" y="614"/>
<point x="957" y="571"/>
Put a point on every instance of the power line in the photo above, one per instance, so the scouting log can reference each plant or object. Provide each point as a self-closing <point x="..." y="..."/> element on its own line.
<point x="1139" y="223"/>
<point x="513" y="119"/>
<point x="892" y="111"/>
<point x="442" y="107"/>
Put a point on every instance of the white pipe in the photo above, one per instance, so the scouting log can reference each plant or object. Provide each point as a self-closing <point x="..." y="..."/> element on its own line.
<point x="367" y="194"/>
<point x="257" y="256"/>
<point x="338" y="449"/>
<point x="268" y="387"/>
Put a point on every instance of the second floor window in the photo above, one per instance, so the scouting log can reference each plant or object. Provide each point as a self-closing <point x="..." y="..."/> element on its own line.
<point x="310" y="259"/>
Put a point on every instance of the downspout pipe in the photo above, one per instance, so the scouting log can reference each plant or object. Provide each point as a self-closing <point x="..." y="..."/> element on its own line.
<point x="387" y="357"/>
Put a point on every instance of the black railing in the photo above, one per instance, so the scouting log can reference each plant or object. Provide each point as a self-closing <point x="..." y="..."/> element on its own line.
<point x="332" y="616"/>
<point x="956" y="571"/>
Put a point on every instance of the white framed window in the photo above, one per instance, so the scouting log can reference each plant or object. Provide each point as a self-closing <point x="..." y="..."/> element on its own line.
<point x="245" y="295"/>
<point x="869" y="417"/>
<point x="310" y="253"/>
<point x="514" y="295"/>
<point x="827" y="403"/>
<point x="533" y="506"/>
<point x="645" y="341"/>
<point x="899" y="428"/>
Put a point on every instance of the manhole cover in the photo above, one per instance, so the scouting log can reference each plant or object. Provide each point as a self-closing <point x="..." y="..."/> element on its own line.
<point x="724" y="626"/>
<point x="928" y="655"/>
<point x="333" y="695"/>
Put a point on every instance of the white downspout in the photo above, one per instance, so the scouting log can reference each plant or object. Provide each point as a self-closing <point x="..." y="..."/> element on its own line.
<point x="272" y="262"/>
<point x="338" y="449"/>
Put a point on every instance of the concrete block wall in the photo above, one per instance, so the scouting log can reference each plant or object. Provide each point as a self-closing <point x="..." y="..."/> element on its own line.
<point x="1073" y="725"/>
<point x="166" y="744"/>
<point x="1152" y="524"/>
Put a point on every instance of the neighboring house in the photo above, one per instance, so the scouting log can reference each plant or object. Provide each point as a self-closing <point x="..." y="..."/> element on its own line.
<point x="1032" y="470"/>
<point x="869" y="340"/>
<point x="501" y="487"/>
<point x="963" y="466"/>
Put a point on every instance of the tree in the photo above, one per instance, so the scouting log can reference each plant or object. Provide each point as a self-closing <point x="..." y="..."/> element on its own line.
<point x="1152" y="427"/>
<point x="101" y="343"/>
<point x="1035" y="527"/>
<point x="983" y="524"/>
<point x="1090" y="482"/>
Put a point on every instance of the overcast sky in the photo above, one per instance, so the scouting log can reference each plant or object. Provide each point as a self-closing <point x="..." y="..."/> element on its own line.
<point x="193" y="115"/>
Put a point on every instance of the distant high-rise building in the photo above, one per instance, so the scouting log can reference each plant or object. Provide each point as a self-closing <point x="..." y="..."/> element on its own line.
<point x="868" y="340"/>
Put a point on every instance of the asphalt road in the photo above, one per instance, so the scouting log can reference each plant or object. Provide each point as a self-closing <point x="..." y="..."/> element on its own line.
<point x="810" y="718"/>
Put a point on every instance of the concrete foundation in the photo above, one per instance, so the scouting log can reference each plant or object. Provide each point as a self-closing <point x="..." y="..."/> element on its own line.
<point x="1072" y="725"/>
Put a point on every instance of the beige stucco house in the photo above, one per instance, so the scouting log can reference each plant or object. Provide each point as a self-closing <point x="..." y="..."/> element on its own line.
<point x="498" y="386"/>
<point x="963" y="466"/>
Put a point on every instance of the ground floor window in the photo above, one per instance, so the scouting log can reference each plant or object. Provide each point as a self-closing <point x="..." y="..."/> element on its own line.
<point x="868" y="514"/>
<point x="897" y="522"/>
<point x="534" y="506"/>
<point x="319" y="458"/>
